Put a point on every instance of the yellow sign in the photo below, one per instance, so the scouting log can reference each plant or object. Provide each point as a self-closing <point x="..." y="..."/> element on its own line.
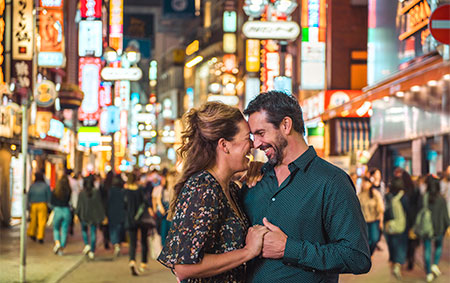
<point x="416" y="14"/>
<point x="252" y="59"/>
<point x="192" y="47"/>
<point x="229" y="42"/>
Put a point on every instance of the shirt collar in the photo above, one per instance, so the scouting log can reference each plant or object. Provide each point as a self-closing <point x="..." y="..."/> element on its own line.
<point x="302" y="162"/>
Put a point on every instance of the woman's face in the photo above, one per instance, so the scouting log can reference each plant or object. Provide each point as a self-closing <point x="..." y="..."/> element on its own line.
<point x="366" y="185"/>
<point x="239" y="147"/>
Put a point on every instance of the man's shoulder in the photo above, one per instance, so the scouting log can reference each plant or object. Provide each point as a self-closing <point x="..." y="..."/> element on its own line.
<point x="326" y="169"/>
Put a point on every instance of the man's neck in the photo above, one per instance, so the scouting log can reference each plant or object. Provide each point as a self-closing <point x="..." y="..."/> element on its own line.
<point x="295" y="148"/>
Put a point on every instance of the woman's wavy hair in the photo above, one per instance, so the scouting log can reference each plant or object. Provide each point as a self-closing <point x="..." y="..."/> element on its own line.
<point x="204" y="126"/>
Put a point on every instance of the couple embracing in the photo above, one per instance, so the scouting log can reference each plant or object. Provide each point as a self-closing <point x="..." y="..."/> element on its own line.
<point x="301" y="222"/>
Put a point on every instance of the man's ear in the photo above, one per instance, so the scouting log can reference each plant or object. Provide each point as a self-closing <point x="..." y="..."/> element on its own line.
<point x="286" y="125"/>
<point x="222" y="145"/>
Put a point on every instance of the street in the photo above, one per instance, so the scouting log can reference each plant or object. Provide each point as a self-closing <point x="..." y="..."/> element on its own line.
<point x="44" y="266"/>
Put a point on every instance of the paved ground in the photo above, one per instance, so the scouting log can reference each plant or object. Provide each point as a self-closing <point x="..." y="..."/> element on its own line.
<point x="44" y="266"/>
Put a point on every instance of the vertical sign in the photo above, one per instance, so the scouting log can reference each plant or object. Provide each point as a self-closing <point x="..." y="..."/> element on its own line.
<point x="89" y="81"/>
<point x="2" y="34"/>
<point x="252" y="51"/>
<point x="313" y="45"/>
<point x="51" y="32"/>
<point x="22" y="30"/>
<point x="116" y="25"/>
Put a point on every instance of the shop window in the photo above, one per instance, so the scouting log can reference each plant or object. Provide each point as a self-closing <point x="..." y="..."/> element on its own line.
<point x="358" y="69"/>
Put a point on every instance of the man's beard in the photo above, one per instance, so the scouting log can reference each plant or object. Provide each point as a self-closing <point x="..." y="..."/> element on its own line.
<point x="278" y="148"/>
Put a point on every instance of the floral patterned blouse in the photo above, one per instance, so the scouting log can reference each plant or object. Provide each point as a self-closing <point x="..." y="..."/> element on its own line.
<point x="204" y="222"/>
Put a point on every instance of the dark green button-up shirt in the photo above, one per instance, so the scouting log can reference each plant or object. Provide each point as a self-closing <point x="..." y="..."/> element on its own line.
<point x="317" y="208"/>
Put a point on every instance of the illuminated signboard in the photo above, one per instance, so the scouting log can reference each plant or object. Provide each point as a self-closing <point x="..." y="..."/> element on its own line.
<point x="45" y="93"/>
<point x="271" y="30"/>
<point x="153" y="70"/>
<point x="56" y="129"/>
<point x="229" y="21"/>
<point x="313" y="22"/>
<point x="89" y="81"/>
<point x="2" y="34"/>
<point x="229" y="61"/>
<point x="89" y="136"/>
<point x="413" y="17"/>
<point x="192" y="47"/>
<point x="229" y="42"/>
<point x="104" y="94"/>
<point x="51" y="32"/>
<point x="90" y="38"/>
<point x="22" y="30"/>
<point x="51" y="3"/>
<point x="91" y="8"/>
<point x="252" y="49"/>
<point x="116" y="25"/>
<point x="252" y="86"/>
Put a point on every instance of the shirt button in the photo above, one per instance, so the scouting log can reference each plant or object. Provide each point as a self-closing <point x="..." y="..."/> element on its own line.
<point x="273" y="199"/>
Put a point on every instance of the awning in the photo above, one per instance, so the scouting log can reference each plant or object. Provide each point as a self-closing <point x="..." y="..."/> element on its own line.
<point x="433" y="68"/>
<point x="349" y="135"/>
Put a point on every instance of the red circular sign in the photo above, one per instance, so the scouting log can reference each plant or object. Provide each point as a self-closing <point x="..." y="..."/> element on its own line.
<point x="440" y="24"/>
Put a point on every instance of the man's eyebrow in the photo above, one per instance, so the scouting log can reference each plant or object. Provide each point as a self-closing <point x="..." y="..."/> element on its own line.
<point x="258" y="131"/>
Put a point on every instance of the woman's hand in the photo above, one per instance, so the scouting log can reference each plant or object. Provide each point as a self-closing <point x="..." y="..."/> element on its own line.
<point x="254" y="240"/>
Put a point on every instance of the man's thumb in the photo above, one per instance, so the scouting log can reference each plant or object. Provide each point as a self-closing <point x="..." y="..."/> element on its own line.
<point x="269" y="225"/>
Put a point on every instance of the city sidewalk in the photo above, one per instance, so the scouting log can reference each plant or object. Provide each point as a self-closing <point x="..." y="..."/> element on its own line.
<point x="42" y="265"/>
<point x="380" y="271"/>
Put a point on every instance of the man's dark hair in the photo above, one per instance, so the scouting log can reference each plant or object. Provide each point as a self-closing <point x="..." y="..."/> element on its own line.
<point x="278" y="105"/>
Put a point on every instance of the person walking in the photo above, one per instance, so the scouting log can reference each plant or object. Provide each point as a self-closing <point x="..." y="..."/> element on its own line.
<point x="39" y="196"/>
<point x="397" y="205"/>
<point x="116" y="212"/>
<point x="91" y="213"/>
<point x="372" y="207"/>
<point x="441" y="222"/>
<point x="377" y="181"/>
<point x="138" y="208"/>
<point x="62" y="216"/>
<point x="76" y="184"/>
<point x="105" y="187"/>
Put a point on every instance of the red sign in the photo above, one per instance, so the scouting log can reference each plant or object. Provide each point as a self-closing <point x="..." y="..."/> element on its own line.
<point x="440" y="24"/>
<point x="91" y="8"/>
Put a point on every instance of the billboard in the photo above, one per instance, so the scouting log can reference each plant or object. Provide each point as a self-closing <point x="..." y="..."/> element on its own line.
<point x="90" y="35"/>
<point x="89" y="82"/>
<point x="22" y="30"/>
<point x="51" y="32"/>
<point x="91" y="9"/>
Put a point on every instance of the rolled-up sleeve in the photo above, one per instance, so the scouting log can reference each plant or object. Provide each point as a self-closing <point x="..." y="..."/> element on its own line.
<point x="347" y="249"/>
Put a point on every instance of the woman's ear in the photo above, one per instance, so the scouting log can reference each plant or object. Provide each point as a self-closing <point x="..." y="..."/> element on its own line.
<point x="222" y="145"/>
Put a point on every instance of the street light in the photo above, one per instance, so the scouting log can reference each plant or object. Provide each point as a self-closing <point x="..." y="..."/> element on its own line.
<point x="110" y="54"/>
<point x="132" y="54"/>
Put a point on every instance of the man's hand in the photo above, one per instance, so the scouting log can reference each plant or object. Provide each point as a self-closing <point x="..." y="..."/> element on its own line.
<point x="274" y="241"/>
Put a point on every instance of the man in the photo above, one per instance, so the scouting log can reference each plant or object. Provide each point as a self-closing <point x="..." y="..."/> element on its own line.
<point x="316" y="226"/>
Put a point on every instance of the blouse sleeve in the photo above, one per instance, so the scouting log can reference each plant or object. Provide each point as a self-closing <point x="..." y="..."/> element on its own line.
<point x="195" y="221"/>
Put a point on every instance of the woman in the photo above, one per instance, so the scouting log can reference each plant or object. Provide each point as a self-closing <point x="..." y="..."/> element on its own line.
<point x="207" y="241"/>
<point x="62" y="215"/>
<point x="137" y="204"/>
<point x="373" y="208"/>
<point x="396" y="234"/>
<point x="91" y="213"/>
<point x="377" y="181"/>
<point x="116" y="212"/>
<point x="38" y="200"/>
<point x="441" y="222"/>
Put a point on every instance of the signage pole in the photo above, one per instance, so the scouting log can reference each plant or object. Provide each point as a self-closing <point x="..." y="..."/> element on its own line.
<point x="24" y="192"/>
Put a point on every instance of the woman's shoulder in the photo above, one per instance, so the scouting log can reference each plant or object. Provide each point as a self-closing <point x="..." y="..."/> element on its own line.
<point x="202" y="182"/>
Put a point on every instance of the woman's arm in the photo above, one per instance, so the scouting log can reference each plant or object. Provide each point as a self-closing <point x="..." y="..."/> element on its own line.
<point x="214" y="264"/>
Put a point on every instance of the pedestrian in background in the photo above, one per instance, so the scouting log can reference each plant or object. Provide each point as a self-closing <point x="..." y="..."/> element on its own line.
<point x="372" y="207"/>
<point x="39" y="196"/>
<point x="116" y="212"/>
<point x="76" y="184"/>
<point x="413" y="193"/>
<point x="396" y="236"/>
<point x="138" y="208"/>
<point x="62" y="216"/>
<point x="445" y="186"/>
<point x="377" y="181"/>
<point x="440" y="219"/>
<point x="105" y="187"/>
<point x="91" y="213"/>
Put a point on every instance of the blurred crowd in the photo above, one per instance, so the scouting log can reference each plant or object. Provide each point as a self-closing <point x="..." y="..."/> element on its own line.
<point x="125" y="209"/>
<point x="409" y="211"/>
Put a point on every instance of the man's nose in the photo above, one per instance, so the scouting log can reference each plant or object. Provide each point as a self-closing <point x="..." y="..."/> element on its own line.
<point x="257" y="143"/>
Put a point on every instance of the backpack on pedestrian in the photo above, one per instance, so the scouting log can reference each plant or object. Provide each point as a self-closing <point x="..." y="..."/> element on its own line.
<point x="397" y="224"/>
<point x="423" y="226"/>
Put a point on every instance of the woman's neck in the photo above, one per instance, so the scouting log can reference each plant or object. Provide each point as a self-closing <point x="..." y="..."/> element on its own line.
<point x="222" y="175"/>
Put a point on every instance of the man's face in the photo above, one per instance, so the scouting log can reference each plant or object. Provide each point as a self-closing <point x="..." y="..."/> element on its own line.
<point x="267" y="137"/>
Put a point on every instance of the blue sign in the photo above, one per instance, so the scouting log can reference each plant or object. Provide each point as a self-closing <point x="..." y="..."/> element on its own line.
<point x="56" y="129"/>
<point x="113" y="120"/>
